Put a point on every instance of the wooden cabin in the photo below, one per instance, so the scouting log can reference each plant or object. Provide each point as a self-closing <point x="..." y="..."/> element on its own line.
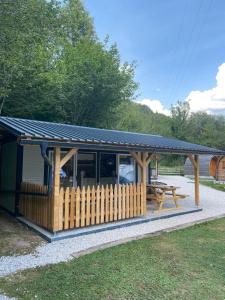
<point x="209" y="166"/>
<point x="61" y="176"/>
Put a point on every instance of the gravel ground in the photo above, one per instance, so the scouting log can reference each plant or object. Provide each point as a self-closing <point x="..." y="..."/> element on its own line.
<point x="212" y="202"/>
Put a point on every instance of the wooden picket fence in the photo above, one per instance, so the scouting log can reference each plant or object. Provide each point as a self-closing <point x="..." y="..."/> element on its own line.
<point x="35" y="204"/>
<point x="98" y="205"/>
<point x="83" y="207"/>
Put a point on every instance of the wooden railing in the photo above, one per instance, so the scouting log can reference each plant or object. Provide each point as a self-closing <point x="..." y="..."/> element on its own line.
<point x="83" y="207"/>
<point x="35" y="204"/>
<point x="98" y="205"/>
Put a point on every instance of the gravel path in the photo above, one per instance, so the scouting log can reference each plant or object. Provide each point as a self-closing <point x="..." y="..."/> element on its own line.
<point x="213" y="203"/>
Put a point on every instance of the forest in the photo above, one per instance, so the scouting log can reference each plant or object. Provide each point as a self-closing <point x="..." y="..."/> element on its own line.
<point x="53" y="67"/>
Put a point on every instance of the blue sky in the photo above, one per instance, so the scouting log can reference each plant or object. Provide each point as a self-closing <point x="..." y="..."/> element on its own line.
<point x="178" y="45"/>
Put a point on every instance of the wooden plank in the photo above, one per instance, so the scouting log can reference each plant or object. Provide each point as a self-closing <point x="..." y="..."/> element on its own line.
<point x="98" y="205"/>
<point x="131" y="200"/>
<point x="107" y="203"/>
<point x="83" y="204"/>
<point x="66" y="209"/>
<point x="77" y="208"/>
<point x="127" y="202"/>
<point x="119" y="202"/>
<point x="88" y="212"/>
<point x="102" y="209"/>
<point x="111" y="202"/>
<point x="123" y="201"/>
<point x="142" y="198"/>
<point x="139" y="199"/>
<point x="50" y="211"/>
<point x="72" y="208"/>
<point x="68" y="157"/>
<point x="135" y="199"/>
<point x="56" y="186"/>
<point x="115" y="203"/>
<point x="93" y="206"/>
<point x="61" y="200"/>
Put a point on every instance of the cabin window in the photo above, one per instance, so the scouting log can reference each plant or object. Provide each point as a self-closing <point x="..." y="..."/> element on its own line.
<point x="86" y="169"/>
<point x="108" y="168"/>
<point x="127" y="172"/>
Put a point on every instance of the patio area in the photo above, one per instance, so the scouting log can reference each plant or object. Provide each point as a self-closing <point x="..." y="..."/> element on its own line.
<point x="208" y="208"/>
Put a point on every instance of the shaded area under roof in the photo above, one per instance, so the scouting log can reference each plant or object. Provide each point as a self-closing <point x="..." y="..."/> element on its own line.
<point x="31" y="131"/>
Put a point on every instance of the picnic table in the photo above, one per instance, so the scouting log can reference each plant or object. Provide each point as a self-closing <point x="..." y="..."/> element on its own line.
<point x="160" y="193"/>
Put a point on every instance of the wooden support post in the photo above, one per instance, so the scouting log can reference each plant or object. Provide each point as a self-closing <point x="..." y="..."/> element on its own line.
<point x="197" y="198"/>
<point x="144" y="179"/>
<point x="56" y="190"/>
<point x="58" y="164"/>
<point x="143" y="160"/>
<point x="144" y="168"/>
<point x="195" y="162"/>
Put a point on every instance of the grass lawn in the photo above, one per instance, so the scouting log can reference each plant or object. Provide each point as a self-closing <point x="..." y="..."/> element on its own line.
<point x="184" y="264"/>
<point x="212" y="184"/>
<point x="16" y="239"/>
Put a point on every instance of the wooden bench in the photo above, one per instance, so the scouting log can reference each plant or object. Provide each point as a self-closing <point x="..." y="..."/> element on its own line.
<point x="161" y="194"/>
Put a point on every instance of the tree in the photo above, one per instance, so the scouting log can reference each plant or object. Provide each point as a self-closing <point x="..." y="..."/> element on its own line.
<point x="26" y="49"/>
<point x="207" y="130"/>
<point x="58" y="69"/>
<point x="95" y="83"/>
<point x="179" y="119"/>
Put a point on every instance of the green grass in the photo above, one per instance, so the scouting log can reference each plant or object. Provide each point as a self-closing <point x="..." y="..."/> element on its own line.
<point x="212" y="184"/>
<point x="185" y="264"/>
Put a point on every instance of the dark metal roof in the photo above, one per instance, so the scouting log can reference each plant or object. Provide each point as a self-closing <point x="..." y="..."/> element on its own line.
<point x="36" y="131"/>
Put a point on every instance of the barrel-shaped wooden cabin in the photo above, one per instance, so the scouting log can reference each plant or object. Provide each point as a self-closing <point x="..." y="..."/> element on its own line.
<point x="63" y="177"/>
<point x="209" y="166"/>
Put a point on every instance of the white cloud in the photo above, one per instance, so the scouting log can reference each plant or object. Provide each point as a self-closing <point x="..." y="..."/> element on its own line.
<point x="212" y="100"/>
<point x="155" y="106"/>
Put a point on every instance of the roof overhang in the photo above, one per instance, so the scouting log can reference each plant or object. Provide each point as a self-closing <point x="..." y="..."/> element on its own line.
<point x="115" y="147"/>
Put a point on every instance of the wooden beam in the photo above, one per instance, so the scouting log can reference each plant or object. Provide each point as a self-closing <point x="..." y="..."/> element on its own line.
<point x="56" y="190"/>
<point x="68" y="156"/>
<point x="197" y="198"/>
<point x="192" y="160"/>
<point x="149" y="158"/>
<point x="136" y="156"/>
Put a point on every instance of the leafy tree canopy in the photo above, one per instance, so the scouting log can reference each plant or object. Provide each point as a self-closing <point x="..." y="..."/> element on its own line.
<point x="53" y="67"/>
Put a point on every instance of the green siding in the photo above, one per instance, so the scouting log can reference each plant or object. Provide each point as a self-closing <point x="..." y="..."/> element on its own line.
<point x="8" y="176"/>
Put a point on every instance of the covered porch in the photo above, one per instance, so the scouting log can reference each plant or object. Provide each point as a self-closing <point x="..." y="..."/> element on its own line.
<point x="88" y="190"/>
